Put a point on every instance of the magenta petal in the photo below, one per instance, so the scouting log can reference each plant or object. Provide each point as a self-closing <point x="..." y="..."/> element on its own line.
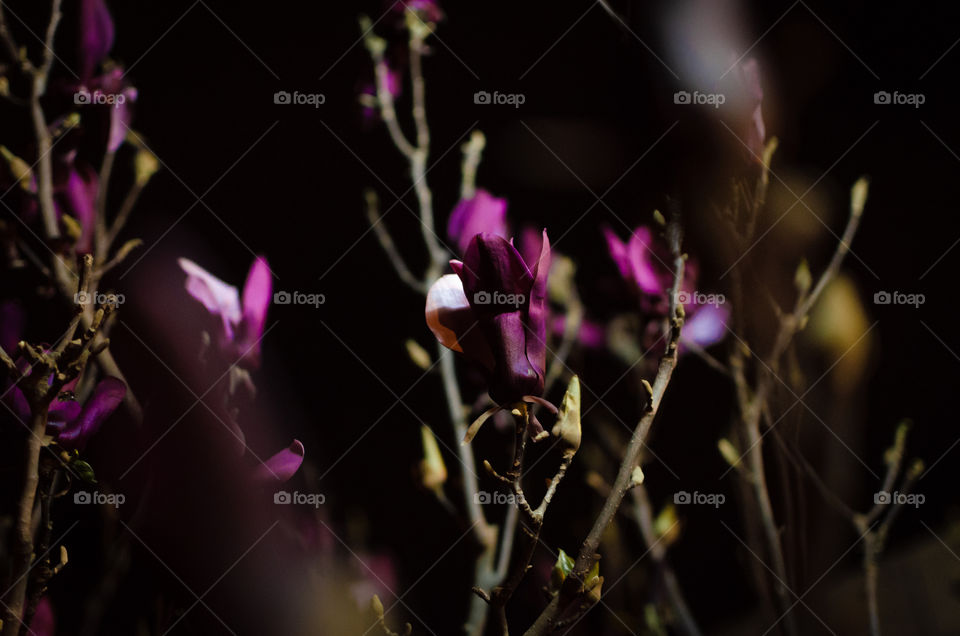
<point x="105" y="399"/>
<point x="481" y="213"/>
<point x="62" y="411"/>
<point x="618" y="252"/>
<point x="257" y="296"/>
<point x="492" y="264"/>
<point x="281" y="467"/>
<point x="645" y="266"/>
<point x="218" y="297"/>
<point x="537" y="311"/>
<point x="11" y="326"/>
<point x="707" y="326"/>
<point x="96" y="36"/>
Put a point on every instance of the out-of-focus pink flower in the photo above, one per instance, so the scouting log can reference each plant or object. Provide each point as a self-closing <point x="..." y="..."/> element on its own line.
<point x="705" y="325"/>
<point x="242" y="319"/>
<point x="646" y="262"/>
<point x="481" y="213"/>
<point x="641" y="261"/>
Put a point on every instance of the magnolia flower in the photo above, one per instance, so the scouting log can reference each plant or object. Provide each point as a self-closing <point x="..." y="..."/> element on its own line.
<point x="493" y="311"/>
<point x="241" y="319"/>
<point x="482" y="212"/>
<point x="95" y="42"/>
<point x="647" y="263"/>
<point x="69" y="423"/>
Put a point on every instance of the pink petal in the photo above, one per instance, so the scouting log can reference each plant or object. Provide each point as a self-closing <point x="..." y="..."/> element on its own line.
<point x="219" y="298"/>
<point x="281" y="467"/>
<point x="257" y="296"/>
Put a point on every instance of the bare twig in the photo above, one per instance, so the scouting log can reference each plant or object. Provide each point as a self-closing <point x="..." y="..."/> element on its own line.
<point x="573" y="588"/>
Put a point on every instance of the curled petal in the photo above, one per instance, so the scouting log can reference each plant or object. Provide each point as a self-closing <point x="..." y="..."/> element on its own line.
<point x="218" y="297"/>
<point x="62" y="411"/>
<point x="281" y="467"/>
<point x="453" y="321"/>
<point x="105" y="399"/>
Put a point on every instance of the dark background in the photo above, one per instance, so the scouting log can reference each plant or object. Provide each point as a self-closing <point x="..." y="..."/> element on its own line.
<point x="599" y="99"/>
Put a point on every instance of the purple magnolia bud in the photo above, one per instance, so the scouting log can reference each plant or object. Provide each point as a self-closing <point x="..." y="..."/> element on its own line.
<point x="482" y="213"/>
<point x="505" y="300"/>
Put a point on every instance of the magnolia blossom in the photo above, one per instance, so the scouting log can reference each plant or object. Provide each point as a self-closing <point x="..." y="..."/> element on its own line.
<point x="647" y="263"/>
<point x="493" y="310"/>
<point x="242" y="319"/>
<point x="69" y="423"/>
<point x="481" y="213"/>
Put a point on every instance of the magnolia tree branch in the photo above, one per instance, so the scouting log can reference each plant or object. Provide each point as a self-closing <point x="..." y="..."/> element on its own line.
<point x="487" y="573"/>
<point x="577" y="594"/>
<point x="657" y="548"/>
<point x="753" y="399"/>
<point x="49" y="372"/>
